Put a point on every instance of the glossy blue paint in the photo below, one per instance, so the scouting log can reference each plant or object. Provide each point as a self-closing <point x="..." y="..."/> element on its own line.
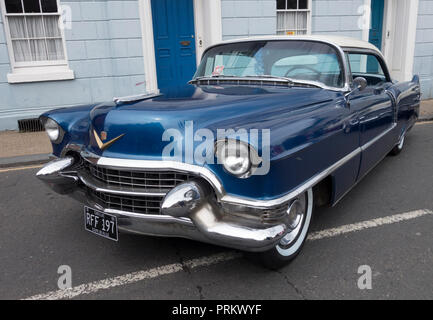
<point x="173" y="28"/>
<point x="311" y="128"/>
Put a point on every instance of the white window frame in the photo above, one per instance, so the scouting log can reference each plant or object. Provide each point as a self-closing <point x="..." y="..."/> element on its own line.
<point x="309" y="15"/>
<point x="35" y="71"/>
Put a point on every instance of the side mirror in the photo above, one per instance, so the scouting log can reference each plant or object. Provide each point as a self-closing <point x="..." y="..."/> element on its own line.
<point x="360" y="83"/>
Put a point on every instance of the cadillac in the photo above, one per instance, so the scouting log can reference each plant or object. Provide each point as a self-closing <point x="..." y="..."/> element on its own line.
<point x="331" y="108"/>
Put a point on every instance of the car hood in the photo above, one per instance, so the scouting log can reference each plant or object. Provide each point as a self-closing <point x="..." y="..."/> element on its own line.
<point x="143" y="123"/>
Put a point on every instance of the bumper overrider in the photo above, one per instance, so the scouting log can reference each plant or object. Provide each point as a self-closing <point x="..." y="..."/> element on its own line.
<point x="194" y="209"/>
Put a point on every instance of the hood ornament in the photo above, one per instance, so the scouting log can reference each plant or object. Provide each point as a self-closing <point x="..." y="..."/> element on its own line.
<point x="105" y="145"/>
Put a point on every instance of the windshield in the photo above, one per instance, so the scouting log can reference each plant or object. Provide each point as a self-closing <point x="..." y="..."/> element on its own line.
<point x="297" y="60"/>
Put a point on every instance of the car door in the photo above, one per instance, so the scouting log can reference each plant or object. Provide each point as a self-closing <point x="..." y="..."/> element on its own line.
<point x="374" y="106"/>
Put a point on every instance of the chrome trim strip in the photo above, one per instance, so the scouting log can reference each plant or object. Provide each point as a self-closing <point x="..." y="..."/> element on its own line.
<point x="288" y="81"/>
<point x="150" y="217"/>
<point x="217" y="185"/>
<point x="264" y="204"/>
<point x="165" y="165"/>
<point x="133" y="98"/>
<point x="373" y="141"/>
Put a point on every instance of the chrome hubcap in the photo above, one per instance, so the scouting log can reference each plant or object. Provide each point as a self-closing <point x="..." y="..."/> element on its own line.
<point x="296" y="216"/>
<point x="400" y="145"/>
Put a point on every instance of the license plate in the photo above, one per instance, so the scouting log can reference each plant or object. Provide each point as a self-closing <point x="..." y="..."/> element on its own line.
<point x="100" y="223"/>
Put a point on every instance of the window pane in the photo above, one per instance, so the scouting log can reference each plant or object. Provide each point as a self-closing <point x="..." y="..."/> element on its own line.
<point x="363" y="63"/>
<point x="301" y="60"/>
<point x="368" y="67"/>
<point x="35" y="27"/>
<point x="13" y="6"/>
<point x="17" y="27"/>
<point x="52" y="26"/>
<point x="303" y="4"/>
<point x="21" y="50"/>
<point x="31" y="6"/>
<point x="302" y="21"/>
<point x="38" y="50"/>
<point x="286" y="22"/>
<point x="281" y="4"/>
<point x="55" y="49"/>
<point x="49" y="5"/>
<point x="292" y="4"/>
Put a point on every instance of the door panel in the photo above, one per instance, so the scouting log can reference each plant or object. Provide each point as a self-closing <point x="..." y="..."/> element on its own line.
<point x="376" y="117"/>
<point x="173" y="25"/>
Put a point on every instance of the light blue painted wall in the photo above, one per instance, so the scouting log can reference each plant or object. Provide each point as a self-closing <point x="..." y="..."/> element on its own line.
<point x="243" y="18"/>
<point x="104" y="49"/>
<point x="246" y="18"/>
<point x="423" y="63"/>
<point x="338" y="17"/>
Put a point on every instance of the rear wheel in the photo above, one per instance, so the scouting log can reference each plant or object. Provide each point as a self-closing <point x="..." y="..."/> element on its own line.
<point x="399" y="147"/>
<point x="299" y="217"/>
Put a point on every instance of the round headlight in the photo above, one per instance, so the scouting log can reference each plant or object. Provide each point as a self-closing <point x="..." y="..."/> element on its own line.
<point x="53" y="130"/>
<point x="234" y="155"/>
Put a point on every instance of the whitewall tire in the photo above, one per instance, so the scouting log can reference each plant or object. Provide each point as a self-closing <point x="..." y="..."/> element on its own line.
<point x="290" y="246"/>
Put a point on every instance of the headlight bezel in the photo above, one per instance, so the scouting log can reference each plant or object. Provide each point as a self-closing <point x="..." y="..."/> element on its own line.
<point x="242" y="149"/>
<point x="54" y="131"/>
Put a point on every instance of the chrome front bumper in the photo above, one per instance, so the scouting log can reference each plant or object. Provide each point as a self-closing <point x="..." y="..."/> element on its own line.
<point x="190" y="210"/>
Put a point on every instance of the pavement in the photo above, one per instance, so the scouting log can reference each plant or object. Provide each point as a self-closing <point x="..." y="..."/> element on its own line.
<point x="384" y="224"/>
<point x="19" y="149"/>
<point x="23" y="148"/>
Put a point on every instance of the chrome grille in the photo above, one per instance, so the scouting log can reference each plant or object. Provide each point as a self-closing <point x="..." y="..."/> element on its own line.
<point x="161" y="180"/>
<point x="134" y="204"/>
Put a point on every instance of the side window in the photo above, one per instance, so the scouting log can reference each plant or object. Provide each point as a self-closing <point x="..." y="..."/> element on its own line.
<point x="367" y="66"/>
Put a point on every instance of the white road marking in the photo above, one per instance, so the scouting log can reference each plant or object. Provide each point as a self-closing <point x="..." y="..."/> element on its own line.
<point x="21" y="168"/>
<point x="368" y="224"/>
<point x="134" y="277"/>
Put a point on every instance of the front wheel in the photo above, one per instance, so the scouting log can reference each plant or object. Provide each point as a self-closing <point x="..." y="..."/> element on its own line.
<point x="299" y="217"/>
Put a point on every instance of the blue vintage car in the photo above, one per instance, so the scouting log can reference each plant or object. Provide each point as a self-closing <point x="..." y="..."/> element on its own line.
<point x="267" y="130"/>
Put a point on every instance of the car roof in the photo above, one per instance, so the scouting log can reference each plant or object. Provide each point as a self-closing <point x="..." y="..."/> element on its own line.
<point x="343" y="42"/>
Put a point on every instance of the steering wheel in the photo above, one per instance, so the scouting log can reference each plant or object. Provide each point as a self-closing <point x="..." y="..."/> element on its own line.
<point x="302" y="67"/>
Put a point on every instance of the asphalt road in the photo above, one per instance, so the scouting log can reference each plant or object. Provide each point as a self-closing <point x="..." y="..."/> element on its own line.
<point x="39" y="231"/>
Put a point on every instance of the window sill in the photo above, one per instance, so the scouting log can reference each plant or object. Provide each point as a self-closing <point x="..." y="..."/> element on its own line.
<point x="40" y="74"/>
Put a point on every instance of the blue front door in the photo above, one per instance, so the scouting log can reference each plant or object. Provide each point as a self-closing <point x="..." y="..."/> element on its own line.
<point x="173" y="29"/>
<point x="377" y="8"/>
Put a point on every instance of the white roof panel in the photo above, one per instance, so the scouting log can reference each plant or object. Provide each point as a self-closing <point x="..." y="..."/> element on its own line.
<point x="343" y="42"/>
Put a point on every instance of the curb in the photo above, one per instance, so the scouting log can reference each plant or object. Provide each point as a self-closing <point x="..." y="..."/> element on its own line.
<point x="426" y="119"/>
<point x="33" y="159"/>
